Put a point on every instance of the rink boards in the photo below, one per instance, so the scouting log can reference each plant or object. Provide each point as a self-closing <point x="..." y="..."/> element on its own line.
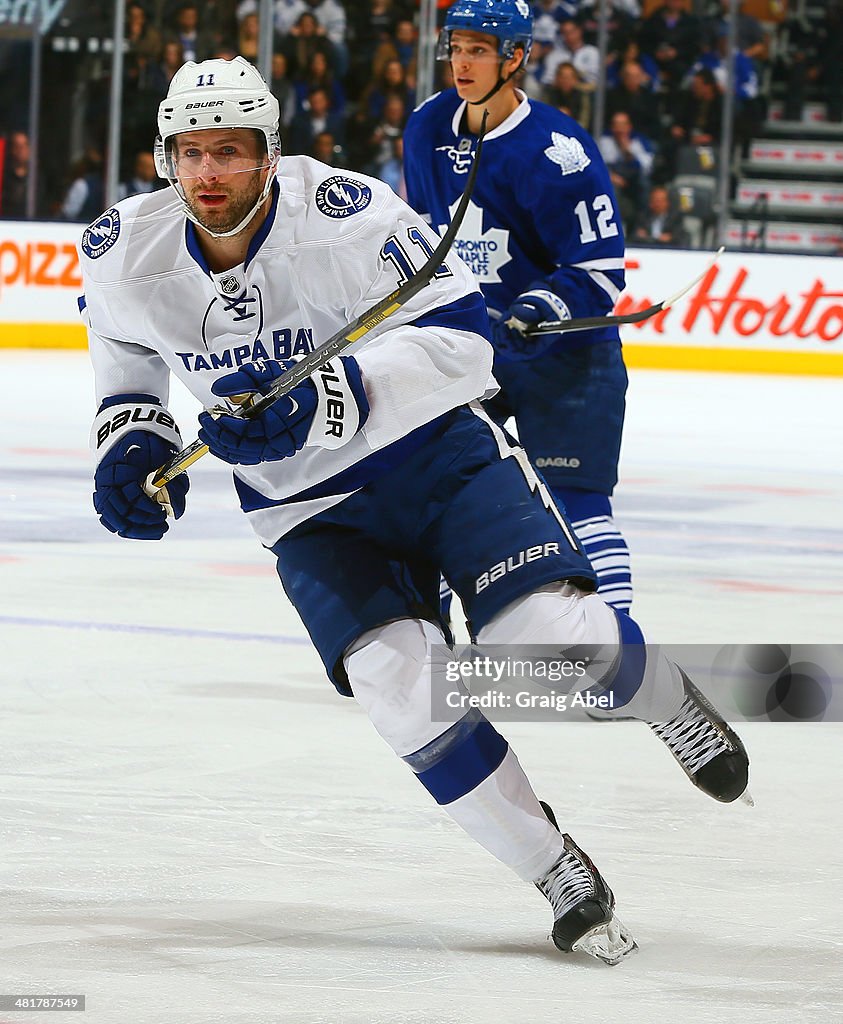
<point x="751" y="312"/>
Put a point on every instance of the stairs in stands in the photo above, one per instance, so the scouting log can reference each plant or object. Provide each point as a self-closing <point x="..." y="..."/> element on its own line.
<point x="790" y="193"/>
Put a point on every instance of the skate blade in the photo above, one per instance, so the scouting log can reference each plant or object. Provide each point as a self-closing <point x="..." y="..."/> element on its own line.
<point x="607" y="942"/>
<point x="746" y="798"/>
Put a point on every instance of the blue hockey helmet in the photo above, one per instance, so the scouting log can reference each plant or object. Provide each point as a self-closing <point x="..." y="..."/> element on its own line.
<point x="509" y="21"/>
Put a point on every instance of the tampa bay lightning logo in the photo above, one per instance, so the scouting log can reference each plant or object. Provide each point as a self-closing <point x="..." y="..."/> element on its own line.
<point x="342" y="197"/>
<point x="102" y="234"/>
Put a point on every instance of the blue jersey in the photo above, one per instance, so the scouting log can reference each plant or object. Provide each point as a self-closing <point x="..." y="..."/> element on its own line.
<point x="543" y="206"/>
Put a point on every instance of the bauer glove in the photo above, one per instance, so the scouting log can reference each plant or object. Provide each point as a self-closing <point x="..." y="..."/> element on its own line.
<point x="326" y="411"/>
<point x="133" y="435"/>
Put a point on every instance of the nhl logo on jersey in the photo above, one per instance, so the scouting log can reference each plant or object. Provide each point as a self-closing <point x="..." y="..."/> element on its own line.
<point x="568" y="153"/>
<point x="99" y="237"/>
<point x="229" y="285"/>
<point x="342" y="197"/>
<point x="459" y="155"/>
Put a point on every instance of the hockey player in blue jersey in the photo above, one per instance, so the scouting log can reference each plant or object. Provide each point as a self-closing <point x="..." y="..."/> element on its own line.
<point x="370" y="478"/>
<point x="544" y="239"/>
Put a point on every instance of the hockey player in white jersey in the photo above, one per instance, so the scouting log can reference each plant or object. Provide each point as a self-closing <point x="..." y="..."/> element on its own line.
<point x="545" y="242"/>
<point x="372" y="476"/>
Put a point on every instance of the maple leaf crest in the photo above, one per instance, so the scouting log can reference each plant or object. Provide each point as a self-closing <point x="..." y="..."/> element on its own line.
<point x="484" y="251"/>
<point x="568" y="153"/>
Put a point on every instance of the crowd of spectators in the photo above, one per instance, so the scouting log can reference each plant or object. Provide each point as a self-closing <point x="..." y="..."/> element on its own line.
<point x="345" y="78"/>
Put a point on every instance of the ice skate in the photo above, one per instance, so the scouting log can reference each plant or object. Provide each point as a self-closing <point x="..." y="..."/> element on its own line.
<point x="708" y="750"/>
<point x="583" y="906"/>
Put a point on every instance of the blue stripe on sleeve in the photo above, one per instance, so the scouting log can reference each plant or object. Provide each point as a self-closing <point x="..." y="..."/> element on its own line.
<point x="126" y="399"/>
<point x="468" y="313"/>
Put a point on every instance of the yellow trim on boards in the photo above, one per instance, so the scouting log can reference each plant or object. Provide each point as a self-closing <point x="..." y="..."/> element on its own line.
<point x="43" y="336"/>
<point x="733" y="360"/>
<point x="643" y="357"/>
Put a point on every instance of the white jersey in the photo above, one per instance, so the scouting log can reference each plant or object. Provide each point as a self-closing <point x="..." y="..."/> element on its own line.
<point x="333" y="244"/>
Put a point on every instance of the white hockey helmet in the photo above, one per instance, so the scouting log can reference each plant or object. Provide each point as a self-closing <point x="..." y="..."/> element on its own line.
<point x="217" y="94"/>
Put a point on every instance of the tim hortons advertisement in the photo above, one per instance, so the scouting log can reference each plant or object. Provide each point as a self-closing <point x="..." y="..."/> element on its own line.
<point x="752" y="312"/>
<point x="39" y="285"/>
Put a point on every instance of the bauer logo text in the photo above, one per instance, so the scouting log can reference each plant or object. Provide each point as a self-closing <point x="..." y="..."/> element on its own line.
<point x="513" y="563"/>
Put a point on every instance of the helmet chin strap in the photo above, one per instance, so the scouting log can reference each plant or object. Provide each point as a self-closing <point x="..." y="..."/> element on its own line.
<point x="249" y="216"/>
<point x="501" y="82"/>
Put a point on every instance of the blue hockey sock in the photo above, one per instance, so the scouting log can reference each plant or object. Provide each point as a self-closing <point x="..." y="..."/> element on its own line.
<point x="456" y="762"/>
<point x="590" y="514"/>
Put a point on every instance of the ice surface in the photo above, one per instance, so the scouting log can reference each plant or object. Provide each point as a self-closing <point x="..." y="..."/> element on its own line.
<point x="197" y="829"/>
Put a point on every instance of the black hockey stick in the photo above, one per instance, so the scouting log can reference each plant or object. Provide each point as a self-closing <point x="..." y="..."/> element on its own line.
<point x="591" y="323"/>
<point x="255" y="404"/>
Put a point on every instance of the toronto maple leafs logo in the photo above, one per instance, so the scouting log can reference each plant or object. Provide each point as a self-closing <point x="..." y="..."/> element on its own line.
<point x="102" y="234"/>
<point x="568" y="153"/>
<point x="459" y="155"/>
<point x="485" y="252"/>
<point x="342" y="197"/>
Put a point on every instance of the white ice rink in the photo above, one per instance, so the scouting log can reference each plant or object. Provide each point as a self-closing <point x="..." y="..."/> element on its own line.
<point x="196" y="829"/>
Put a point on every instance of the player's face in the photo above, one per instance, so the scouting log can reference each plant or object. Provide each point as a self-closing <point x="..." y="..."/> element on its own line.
<point x="222" y="172"/>
<point x="475" y="63"/>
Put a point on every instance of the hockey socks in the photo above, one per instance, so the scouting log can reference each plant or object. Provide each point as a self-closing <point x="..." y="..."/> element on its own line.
<point x="643" y="683"/>
<point x="590" y="515"/>
<point x="467" y="767"/>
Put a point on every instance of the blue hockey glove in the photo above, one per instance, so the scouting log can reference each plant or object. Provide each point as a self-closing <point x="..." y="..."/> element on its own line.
<point x="325" y="411"/>
<point x="136" y="435"/>
<point x="531" y="307"/>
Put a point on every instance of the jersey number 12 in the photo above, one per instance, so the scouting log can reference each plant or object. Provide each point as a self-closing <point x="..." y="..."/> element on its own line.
<point x="604" y="211"/>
